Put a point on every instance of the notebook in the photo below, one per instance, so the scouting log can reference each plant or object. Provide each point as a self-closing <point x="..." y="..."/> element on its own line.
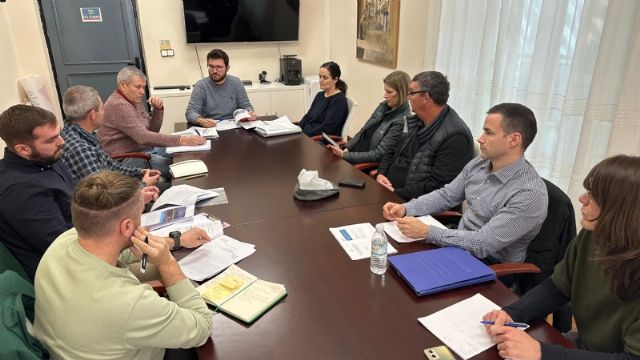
<point x="433" y="271"/>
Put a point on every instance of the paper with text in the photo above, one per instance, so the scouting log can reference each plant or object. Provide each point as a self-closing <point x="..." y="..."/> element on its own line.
<point x="183" y="195"/>
<point x="458" y="326"/>
<point x="391" y="228"/>
<point x="189" y="148"/>
<point x="214" y="256"/>
<point x="213" y="227"/>
<point x="356" y="240"/>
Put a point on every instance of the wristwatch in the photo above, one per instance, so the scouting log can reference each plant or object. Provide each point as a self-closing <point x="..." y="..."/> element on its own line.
<point x="175" y="235"/>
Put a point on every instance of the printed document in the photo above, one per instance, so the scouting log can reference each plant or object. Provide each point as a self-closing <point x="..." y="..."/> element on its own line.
<point x="227" y="124"/>
<point x="167" y="216"/>
<point x="356" y="240"/>
<point x="458" y="326"/>
<point x="391" y="228"/>
<point x="214" y="256"/>
<point x="213" y="227"/>
<point x="218" y="200"/>
<point x="209" y="133"/>
<point x="183" y="195"/>
<point x="189" y="148"/>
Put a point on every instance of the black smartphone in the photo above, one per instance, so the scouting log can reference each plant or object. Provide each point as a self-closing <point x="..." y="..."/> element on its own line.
<point x="352" y="183"/>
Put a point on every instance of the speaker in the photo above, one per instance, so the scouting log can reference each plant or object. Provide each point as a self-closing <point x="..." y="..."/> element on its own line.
<point x="290" y="70"/>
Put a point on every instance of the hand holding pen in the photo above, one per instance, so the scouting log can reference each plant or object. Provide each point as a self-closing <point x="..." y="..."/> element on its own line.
<point x="513" y="324"/>
<point x="151" y="248"/>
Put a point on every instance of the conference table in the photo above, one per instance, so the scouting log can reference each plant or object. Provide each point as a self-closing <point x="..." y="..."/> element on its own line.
<point x="335" y="307"/>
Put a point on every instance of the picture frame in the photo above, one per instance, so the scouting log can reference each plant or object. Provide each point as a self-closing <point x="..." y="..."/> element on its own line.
<point x="377" y="33"/>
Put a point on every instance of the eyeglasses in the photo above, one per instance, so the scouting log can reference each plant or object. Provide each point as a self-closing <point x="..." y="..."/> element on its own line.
<point x="416" y="92"/>
<point x="217" y="67"/>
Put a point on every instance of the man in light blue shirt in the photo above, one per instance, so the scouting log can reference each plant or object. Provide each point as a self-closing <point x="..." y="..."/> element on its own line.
<point x="218" y="95"/>
<point x="507" y="199"/>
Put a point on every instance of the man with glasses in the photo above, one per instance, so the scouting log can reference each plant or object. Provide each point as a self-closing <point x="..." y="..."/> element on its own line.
<point x="217" y="96"/>
<point x="435" y="144"/>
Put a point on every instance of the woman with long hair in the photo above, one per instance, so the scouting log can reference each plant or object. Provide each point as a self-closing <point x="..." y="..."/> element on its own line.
<point x="600" y="275"/>
<point x="328" y="110"/>
<point x="382" y="131"/>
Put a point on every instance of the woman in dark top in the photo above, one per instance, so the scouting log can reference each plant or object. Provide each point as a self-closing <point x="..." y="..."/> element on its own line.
<point x="328" y="110"/>
<point x="382" y="131"/>
<point x="600" y="275"/>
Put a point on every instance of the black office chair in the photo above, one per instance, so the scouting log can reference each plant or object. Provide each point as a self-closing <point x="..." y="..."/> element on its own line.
<point x="544" y="252"/>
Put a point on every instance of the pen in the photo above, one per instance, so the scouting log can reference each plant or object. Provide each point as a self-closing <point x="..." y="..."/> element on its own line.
<point x="192" y="177"/>
<point x="143" y="265"/>
<point x="510" y="324"/>
<point x="197" y="132"/>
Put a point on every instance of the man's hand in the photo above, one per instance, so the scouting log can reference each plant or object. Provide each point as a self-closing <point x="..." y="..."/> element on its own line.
<point x="156" y="102"/>
<point x="336" y="151"/>
<point x="192" y="140"/>
<point x="193" y="238"/>
<point x="413" y="228"/>
<point x="205" y="122"/>
<point x="149" y="193"/>
<point x="392" y="211"/>
<point x="254" y="115"/>
<point x="382" y="180"/>
<point x="514" y="343"/>
<point x="150" y="176"/>
<point x="157" y="250"/>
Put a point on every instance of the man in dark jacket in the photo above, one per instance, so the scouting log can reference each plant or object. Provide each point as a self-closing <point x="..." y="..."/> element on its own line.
<point x="435" y="144"/>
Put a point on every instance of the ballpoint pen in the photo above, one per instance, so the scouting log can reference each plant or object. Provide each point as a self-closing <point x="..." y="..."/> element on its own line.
<point x="518" y="325"/>
<point x="143" y="264"/>
<point x="197" y="132"/>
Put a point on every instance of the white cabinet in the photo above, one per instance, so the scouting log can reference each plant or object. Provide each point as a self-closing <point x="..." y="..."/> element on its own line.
<point x="269" y="99"/>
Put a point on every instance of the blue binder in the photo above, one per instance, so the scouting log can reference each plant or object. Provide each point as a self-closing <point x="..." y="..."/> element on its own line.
<point x="433" y="271"/>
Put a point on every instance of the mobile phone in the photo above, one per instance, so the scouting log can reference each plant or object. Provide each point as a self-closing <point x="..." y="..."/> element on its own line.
<point x="329" y="140"/>
<point x="439" y="353"/>
<point x="352" y="183"/>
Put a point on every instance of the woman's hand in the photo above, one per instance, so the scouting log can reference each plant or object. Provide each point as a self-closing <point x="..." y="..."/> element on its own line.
<point x="514" y="343"/>
<point x="336" y="151"/>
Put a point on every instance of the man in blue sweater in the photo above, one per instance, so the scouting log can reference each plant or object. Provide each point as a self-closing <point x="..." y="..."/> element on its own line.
<point x="217" y="96"/>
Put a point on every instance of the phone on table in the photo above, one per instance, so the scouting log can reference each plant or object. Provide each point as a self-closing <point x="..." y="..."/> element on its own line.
<point x="439" y="353"/>
<point x="352" y="183"/>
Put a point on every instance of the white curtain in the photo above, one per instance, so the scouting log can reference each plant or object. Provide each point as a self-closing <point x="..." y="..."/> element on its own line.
<point x="575" y="63"/>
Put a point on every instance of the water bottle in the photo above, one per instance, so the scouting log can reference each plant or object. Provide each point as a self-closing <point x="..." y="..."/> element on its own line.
<point x="379" y="251"/>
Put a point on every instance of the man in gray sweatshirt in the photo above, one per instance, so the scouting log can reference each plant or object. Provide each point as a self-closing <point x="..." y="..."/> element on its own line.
<point x="217" y="96"/>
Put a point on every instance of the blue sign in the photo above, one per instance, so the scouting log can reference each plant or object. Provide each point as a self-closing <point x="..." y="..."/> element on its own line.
<point x="91" y="14"/>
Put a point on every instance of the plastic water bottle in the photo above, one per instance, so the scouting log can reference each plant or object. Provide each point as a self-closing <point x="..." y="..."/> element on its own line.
<point x="379" y="251"/>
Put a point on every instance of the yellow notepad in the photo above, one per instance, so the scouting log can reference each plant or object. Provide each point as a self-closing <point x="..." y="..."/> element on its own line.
<point x="241" y="294"/>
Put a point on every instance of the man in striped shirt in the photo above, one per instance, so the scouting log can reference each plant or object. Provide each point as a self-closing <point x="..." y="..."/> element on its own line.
<point x="507" y="200"/>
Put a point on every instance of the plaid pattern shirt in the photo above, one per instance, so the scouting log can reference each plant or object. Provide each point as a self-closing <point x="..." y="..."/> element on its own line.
<point x="506" y="210"/>
<point x="83" y="155"/>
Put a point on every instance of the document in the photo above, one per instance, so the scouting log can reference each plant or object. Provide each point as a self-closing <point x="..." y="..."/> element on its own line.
<point x="356" y="240"/>
<point x="188" y="168"/>
<point x="280" y="126"/>
<point x="226" y="124"/>
<point x="241" y="294"/>
<point x="214" y="256"/>
<point x="432" y="271"/>
<point x="391" y="228"/>
<point x="160" y="218"/>
<point x="458" y="326"/>
<point x="183" y="195"/>
<point x="209" y="133"/>
<point x="212" y="226"/>
<point x="189" y="148"/>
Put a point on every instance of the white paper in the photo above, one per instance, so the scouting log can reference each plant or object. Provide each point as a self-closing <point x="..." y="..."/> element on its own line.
<point x="279" y="126"/>
<point x="229" y="124"/>
<point x="214" y="256"/>
<point x="458" y="326"/>
<point x="218" y="200"/>
<point x="213" y="227"/>
<point x="189" y="148"/>
<point x="183" y="195"/>
<point x="199" y="131"/>
<point x="391" y="228"/>
<point x="356" y="240"/>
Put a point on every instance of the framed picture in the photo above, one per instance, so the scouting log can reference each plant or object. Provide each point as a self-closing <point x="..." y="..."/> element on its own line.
<point x="377" y="33"/>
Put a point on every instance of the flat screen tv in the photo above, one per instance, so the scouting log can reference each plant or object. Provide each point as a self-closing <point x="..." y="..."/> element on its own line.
<point x="209" y="21"/>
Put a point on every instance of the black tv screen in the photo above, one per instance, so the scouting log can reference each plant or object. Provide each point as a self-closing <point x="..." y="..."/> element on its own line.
<point x="241" y="20"/>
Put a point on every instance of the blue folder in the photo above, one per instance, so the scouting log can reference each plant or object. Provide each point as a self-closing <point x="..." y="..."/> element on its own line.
<point x="433" y="271"/>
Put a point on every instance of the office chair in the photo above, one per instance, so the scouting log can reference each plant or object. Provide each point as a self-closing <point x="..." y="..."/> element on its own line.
<point x="342" y="139"/>
<point x="544" y="251"/>
<point x="134" y="155"/>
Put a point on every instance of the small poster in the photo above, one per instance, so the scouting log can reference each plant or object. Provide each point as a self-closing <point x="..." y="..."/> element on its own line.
<point x="91" y="14"/>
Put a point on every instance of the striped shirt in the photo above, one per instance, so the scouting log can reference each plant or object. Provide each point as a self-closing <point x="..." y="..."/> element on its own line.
<point x="83" y="155"/>
<point x="506" y="209"/>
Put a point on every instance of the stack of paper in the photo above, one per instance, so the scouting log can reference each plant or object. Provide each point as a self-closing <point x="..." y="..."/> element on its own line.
<point x="459" y="327"/>
<point x="227" y="124"/>
<point x="212" y="226"/>
<point x="189" y="148"/>
<point x="183" y="195"/>
<point x="280" y="126"/>
<point x="214" y="256"/>
<point x="209" y="133"/>
<point x="356" y="240"/>
<point x="391" y="228"/>
<point x="432" y="271"/>
<point x="167" y="216"/>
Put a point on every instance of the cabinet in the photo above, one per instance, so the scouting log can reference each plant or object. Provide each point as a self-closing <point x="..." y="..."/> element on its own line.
<point x="269" y="99"/>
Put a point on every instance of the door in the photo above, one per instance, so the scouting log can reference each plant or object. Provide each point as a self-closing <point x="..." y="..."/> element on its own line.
<point x="90" y="41"/>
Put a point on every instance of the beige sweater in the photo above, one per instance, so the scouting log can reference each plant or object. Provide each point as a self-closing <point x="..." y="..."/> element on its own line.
<point x="129" y="128"/>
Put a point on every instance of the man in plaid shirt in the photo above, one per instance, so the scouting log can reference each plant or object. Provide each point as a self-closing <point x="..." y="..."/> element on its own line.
<point x="82" y="152"/>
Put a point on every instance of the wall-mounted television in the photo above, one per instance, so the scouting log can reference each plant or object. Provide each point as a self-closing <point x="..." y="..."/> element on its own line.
<point x="209" y="21"/>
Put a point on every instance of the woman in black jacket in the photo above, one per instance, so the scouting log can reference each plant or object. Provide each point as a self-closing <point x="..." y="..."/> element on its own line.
<point x="383" y="129"/>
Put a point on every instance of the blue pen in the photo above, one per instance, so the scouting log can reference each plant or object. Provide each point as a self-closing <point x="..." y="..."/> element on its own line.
<point x="518" y="325"/>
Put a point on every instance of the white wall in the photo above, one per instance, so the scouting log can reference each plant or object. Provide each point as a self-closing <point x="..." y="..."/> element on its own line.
<point x="24" y="52"/>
